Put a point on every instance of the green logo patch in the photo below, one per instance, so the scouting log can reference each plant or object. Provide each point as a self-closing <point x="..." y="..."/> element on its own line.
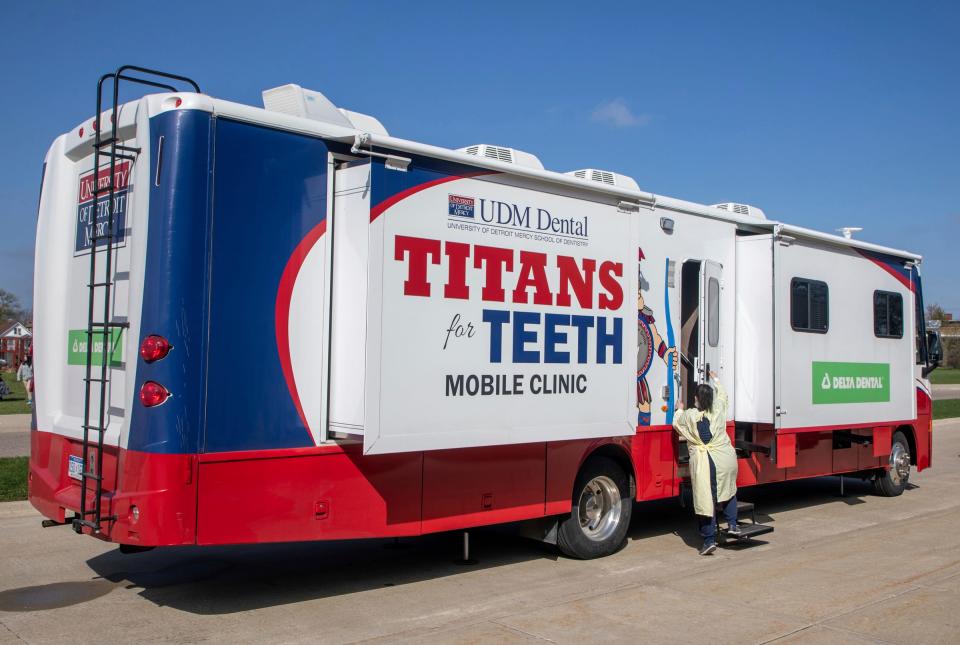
<point x="77" y="347"/>
<point x="850" y="382"/>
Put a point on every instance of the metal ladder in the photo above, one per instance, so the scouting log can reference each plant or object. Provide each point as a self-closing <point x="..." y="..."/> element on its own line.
<point x="106" y="151"/>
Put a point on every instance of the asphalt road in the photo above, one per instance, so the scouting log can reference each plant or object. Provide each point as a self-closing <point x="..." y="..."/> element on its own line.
<point x="836" y="570"/>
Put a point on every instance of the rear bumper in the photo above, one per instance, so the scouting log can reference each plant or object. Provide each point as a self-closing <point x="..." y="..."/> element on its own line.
<point x="162" y="487"/>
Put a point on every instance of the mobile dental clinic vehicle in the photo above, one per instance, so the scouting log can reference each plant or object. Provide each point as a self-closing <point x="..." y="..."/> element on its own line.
<point x="281" y="323"/>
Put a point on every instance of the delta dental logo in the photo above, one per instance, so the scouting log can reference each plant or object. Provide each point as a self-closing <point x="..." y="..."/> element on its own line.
<point x="502" y="215"/>
<point x="834" y="382"/>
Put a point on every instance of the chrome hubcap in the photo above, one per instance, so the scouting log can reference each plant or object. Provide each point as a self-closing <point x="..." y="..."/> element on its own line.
<point x="899" y="463"/>
<point x="599" y="508"/>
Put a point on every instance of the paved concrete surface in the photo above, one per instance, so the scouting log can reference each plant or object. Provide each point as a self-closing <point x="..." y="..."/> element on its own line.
<point x="848" y="569"/>
<point x="14" y="435"/>
<point x="946" y="391"/>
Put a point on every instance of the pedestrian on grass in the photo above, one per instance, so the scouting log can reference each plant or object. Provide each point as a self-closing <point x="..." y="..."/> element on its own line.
<point x="25" y="374"/>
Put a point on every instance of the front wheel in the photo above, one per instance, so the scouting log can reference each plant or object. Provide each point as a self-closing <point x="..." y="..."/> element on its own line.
<point x="601" y="511"/>
<point x="893" y="481"/>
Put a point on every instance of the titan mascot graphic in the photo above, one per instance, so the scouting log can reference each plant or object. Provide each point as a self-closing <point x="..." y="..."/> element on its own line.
<point x="648" y="339"/>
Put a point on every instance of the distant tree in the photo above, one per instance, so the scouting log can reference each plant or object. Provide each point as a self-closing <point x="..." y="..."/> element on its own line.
<point x="9" y="306"/>
<point x="936" y="312"/>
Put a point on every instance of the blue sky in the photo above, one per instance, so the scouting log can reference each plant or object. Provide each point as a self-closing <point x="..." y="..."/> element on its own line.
<point x="824" y="114"/>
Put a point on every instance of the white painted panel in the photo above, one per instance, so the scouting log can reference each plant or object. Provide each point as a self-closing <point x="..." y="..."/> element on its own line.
<point x="351" y="217"/>
<point x="852" y="279"/>
<point x="754" y="329"/>
<point x="414" y="409"/>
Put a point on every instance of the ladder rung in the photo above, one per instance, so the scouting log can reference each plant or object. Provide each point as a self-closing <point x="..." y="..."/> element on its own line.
<point x="97" y="428"/>
<point x="92" y="476"/>
<point x="97" y="380"/>
<point x="104" y="190"/>
<point x="123" y="325"/>
<point x="129" y="149"/>
<point x="100" y="284"/>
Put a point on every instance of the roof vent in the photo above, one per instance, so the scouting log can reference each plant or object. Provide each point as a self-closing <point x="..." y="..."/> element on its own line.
<point x="741" y="209"/>
<point x="294" y="100"/>
<point x="506" y="155"/>
<point x="605" y="177"/>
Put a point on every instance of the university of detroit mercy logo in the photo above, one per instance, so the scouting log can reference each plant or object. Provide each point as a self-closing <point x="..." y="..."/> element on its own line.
<point x="459" y="206"/>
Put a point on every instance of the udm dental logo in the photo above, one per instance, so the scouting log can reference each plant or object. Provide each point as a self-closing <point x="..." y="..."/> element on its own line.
<point x="502" y="215"/>
<point x="834" y="382"/>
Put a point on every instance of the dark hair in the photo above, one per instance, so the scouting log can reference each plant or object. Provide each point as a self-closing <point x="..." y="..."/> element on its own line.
<point x="704" y="397"/>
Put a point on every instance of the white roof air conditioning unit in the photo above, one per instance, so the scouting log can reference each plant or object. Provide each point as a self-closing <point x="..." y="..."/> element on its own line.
<point x="501" y="153"/>
<point x="605" y="177"/>
<point x="741" y="209"/>
<point x="309" y="104"/>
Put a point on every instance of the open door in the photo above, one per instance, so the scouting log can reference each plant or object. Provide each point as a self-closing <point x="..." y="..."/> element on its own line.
<point x="708" y="357"/>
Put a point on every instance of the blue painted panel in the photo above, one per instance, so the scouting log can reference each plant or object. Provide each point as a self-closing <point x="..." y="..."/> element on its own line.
<point x="175" y="282"/>
<point x="269" y="192"/>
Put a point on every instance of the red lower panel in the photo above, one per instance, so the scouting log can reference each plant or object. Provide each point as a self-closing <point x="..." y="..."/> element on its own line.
<point x="323" y="496"/>
<point x="923" y="430"/>
<point x="814" y="455"/>
<point x="655" y="458"/>
<point x="786" y="450"/>
<point x="881" y="441"/>
<point x="477" y="486"/>
<point x="161" y="486"/>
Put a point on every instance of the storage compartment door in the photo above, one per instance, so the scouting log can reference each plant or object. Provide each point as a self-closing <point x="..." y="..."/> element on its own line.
<point x="711" y="286"/>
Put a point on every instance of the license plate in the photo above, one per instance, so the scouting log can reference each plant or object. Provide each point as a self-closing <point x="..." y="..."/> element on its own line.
<point x="75" y="467"/>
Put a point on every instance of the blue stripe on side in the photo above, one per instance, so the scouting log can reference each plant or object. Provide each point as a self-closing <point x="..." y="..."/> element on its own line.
<point x="174" y="282"/>
<point x="270" y="191"/>
<point x="386" y="183"/>
<point x="891" y="262"/>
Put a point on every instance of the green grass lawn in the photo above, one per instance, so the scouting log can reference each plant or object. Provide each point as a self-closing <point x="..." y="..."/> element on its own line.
<point x="13" y="479"/>
<point x="16" y="402"/>
<point x="942" y="376"/>
<point x="946" y="408"/>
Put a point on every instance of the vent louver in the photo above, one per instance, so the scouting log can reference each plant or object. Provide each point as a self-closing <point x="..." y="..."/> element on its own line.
<point x="605" y="177"/>
<point x="742" y="209"/>
<point x="504" y="154"/>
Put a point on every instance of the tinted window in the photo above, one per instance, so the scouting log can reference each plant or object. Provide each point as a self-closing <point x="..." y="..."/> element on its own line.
<point x="713" y="308"/>
<point x="887" y="314"/>
<point x="809" y="305"/>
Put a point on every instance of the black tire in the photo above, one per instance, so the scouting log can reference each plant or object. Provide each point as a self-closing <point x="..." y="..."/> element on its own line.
<point x="893" y="481"/>
<point x="597" y="526"/>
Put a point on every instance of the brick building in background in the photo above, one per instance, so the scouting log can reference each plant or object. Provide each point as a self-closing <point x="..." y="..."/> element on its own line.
<point x="16" y="341"/>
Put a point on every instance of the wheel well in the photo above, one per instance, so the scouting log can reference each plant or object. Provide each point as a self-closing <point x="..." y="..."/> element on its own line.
<point x="620" y="456"/>
<point x="911" y="442"/>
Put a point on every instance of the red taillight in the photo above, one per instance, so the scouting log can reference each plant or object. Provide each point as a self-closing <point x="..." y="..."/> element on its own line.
<point x="152" y="393"/>
<point x="178" y="102"/>
<point x="81" y="131"/>
<point x="154" y="347"/>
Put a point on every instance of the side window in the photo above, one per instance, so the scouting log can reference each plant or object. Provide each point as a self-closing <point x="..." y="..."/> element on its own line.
<point x="713" y="310"/>
<point x="809" y="305"/>
<point x="887" y="314"/>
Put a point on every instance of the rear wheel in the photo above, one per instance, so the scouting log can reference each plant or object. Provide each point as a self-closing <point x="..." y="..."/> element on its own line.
<point x="893" y="482"/>
<point x="601" y="511"/>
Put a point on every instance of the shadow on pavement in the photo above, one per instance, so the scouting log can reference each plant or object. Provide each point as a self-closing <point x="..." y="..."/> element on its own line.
<point x="223" y="580"/>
